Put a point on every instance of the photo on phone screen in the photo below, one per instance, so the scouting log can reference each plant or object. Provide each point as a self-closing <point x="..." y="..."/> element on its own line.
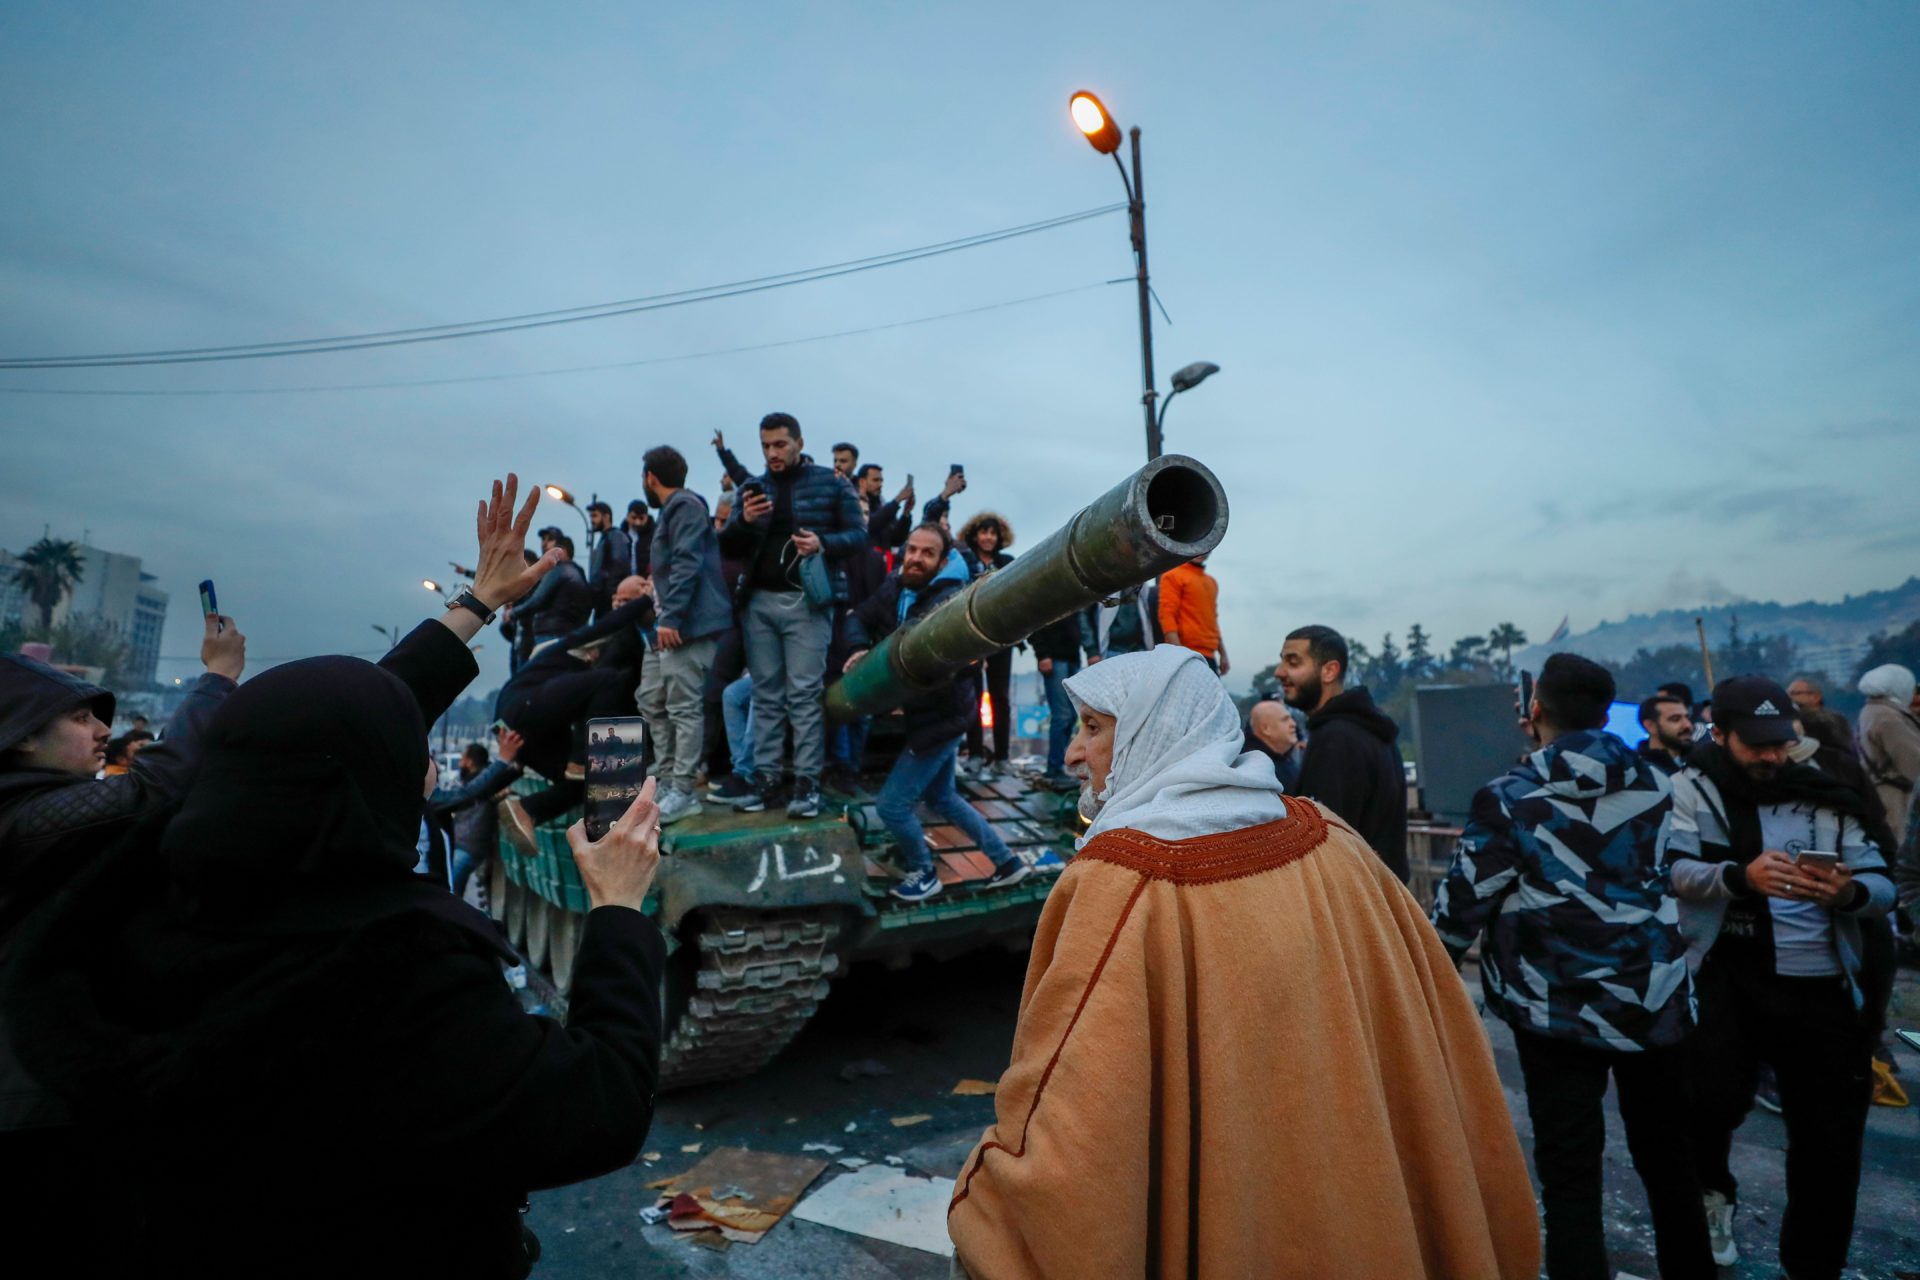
<point x="619" y="749"/>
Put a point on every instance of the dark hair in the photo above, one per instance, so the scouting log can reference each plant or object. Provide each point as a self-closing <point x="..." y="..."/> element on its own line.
<point x="530" y="554"/>
<point x="928" y="526"/>
<point x="781" y="422"/>
<point x="853" y="449"/>
<point x="476" y="750"/>
<point x="667" y="465"/>
<point x="1650" y="709"/>
<point x="860" y="472"/>
<point x="563" y="541"/>
<point x="597" y="505"/>
<point x="139" y="735"/>
<point x="638" y="504"/>
<point x="1324" y="645"/>
<point x="1678" y="690"/>
<point x="550" y="531"/>
<point x="1573" y="692"/>
<point x="117" y="751"/>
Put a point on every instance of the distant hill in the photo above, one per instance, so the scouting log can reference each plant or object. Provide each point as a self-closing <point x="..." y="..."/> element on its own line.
<point x="1830" y="637"/>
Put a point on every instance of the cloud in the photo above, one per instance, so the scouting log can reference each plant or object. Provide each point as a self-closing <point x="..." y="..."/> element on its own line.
<point x="1869" y="429"/>
<point x="1684" y="590"/>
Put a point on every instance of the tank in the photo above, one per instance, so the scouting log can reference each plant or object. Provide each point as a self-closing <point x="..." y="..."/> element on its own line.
<point x="761" y="911"/>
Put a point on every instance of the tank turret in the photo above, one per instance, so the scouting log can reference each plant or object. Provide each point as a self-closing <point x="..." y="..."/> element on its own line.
<point x="1166" y="513"/>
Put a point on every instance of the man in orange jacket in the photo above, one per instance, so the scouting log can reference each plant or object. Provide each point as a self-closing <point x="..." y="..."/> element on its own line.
<point x="1189" y="611"/>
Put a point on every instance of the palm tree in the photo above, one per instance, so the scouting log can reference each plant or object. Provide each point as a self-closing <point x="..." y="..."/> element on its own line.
<point x="49" y="570"/>
<point x="1504" y="638"/>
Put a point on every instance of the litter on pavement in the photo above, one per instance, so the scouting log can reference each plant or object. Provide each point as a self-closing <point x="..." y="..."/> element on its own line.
<point x="901" y="1122"/>
<point x="888" y="1204"/>
<point x="826" y="1147"/>
<point x="975" y="1088"/>
<point x="739" y="1194"/>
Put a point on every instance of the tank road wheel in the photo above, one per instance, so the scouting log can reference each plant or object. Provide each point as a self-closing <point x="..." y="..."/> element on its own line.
<point x="498" y="887"/>
<point x="741" y="989"/>
<point x="564" y="945"/>
<point x="539" y="930"/>
<point x="516" y="914"/>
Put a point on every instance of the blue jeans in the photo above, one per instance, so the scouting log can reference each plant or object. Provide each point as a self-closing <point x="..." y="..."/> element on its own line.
<point x="928" y="776"/>
<point x="461" y="869"/>
<point x="736" y="709"/>
<point x="1059" y="713"/>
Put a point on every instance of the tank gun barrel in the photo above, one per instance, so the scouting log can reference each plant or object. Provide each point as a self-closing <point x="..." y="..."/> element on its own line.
<point x="1165" y="514"/>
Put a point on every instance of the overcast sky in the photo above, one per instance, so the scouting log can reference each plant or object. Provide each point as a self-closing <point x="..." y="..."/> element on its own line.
<point x="1523" y="310"/>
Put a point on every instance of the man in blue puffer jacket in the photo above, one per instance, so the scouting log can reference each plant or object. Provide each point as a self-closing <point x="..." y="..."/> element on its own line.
<point x="795" y="512"/>
<point x="1564" y="865"/>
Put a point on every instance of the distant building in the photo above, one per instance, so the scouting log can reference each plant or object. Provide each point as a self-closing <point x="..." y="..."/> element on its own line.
<point x="112" y="587"/>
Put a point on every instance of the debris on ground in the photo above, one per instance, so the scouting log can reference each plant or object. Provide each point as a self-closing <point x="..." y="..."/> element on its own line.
<point x="851" y="1126"/>
<point x="826" y="1147"/>
<point x="691" y="1148"/>
<point x="885" y="1204"/>
<point x="653" y="1215"/>
<point x="975" y="1088"/>
<point x="737" y="1193"/>
<point x="901" y="1122"/>
<point x="651" y="1156"/>
<point x="853" y="1162"/>
<point x="865" y="1069"/>
<point x="895" y="1161"/>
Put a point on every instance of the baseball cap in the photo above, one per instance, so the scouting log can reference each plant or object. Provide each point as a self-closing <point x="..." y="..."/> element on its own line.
<point x="1755" y="708"/>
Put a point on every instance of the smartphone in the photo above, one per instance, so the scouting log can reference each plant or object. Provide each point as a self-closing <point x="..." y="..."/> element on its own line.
<point x="956" y="470"/>
<point x="748" y="488"/>
<point x="619" y="751"/>
<point x="1526" y="693"/>
<point x="1821" y="858"/>
<point x="210" y="605"/>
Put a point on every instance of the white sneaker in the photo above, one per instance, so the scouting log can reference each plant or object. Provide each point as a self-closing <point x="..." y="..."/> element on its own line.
<point x="679" y="804"/>
<point x="1720" y="1229"/>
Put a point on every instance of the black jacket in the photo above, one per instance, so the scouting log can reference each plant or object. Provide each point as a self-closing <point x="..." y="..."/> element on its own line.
<point x="1354" y="769"/>
<point x="1059" y="639"/>
<point x="244" y="1066"/>
<point x="934" y="718"/>
<point x="1659" y="757"/>
<point x="562" y="602"/>
<point x="823" y="502"/>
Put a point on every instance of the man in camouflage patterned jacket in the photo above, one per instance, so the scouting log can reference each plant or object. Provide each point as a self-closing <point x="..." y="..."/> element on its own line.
<point x="1563" y="865"/>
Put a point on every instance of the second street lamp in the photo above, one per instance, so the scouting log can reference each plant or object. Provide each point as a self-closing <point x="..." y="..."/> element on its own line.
<point x="560" y="495"/>
<point x="1185" y="378"/>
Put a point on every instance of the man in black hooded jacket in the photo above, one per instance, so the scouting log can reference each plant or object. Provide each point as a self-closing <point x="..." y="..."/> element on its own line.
<point x="1352" y="764"/>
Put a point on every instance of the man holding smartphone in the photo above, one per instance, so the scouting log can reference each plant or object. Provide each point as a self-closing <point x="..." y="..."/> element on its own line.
<point x="1775" y="871"/>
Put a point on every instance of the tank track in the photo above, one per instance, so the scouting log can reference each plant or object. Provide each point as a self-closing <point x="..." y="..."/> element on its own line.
<point x="760" y="976"/>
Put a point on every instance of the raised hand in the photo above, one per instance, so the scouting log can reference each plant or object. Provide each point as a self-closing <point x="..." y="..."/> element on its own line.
<point x="618" y="868"/>
<point x="223" y="649"/>
<point x="503" y="575"/>
<point x="507" y="744"/>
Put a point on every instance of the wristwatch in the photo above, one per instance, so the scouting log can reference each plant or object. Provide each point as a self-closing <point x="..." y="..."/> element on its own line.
<point x="473" y="604"/>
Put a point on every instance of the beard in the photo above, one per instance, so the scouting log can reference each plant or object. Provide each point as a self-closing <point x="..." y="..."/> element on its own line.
<point x="1305" y="695"/>
<point x="1761" y="770"/>
<point x="1678" y="746"/>
<point x="1090" y="803"/>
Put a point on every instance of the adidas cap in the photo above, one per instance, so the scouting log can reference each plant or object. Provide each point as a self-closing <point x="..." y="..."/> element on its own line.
<point x="1755" y="708"/>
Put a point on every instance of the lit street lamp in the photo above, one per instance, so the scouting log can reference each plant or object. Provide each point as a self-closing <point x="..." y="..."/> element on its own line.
<point x="560" y="495"/>
<point x="1092" y="118"/>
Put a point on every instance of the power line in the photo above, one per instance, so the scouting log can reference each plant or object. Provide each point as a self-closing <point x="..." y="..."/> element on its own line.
<point x="543" y="319"/>
<point x="549" y="373"/>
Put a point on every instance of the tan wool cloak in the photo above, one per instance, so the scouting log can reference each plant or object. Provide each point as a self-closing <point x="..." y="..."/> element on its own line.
<point x="1244" y="1056"/>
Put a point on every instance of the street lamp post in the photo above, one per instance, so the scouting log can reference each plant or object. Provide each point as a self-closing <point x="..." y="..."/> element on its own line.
<point x="560" y="495"/>
<point x="1093" y="120"/>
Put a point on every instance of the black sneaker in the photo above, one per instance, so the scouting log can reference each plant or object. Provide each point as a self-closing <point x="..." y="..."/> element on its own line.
<point x="753" y="799"/>
<point x="1012" y="871"/>
<point x="806" y="799"/>
<point x="730" y="788"/>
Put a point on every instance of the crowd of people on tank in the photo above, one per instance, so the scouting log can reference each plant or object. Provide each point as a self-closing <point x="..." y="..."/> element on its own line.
<point x="1705" y="920"/>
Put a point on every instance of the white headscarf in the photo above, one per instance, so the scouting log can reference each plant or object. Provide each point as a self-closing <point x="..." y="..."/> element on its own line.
<point x="1893" y="682"/>
<point x="1177" y="770"/>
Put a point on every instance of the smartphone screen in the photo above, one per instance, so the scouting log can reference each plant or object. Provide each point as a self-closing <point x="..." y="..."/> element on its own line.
<point x="619" y="749"/>
<point x="209" y="602"/>
<point x="956" y="470"/>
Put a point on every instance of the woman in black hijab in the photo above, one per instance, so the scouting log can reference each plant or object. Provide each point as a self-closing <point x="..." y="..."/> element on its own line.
<point x="295" y="1057"/>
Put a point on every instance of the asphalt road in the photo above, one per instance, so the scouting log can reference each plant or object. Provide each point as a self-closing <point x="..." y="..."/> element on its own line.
<point x="937" y="1023"/>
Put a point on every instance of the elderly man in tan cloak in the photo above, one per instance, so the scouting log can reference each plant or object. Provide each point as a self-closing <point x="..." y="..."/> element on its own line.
<point x="1242" y="1052"/>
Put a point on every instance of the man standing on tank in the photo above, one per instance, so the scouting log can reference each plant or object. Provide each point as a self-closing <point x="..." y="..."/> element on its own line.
<point x="794" y="512"/>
